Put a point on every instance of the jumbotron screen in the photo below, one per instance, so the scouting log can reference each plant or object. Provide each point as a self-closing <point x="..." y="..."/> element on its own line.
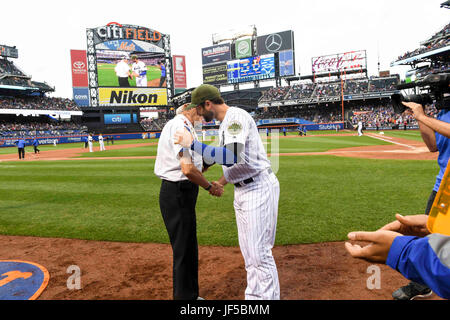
<point x="146" y="71"/>
<point x="251" y="69"/>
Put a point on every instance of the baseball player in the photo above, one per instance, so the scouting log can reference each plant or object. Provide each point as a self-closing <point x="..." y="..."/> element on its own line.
<point x="35" y="146"/>
<point x="101" y="142"/>
<point x="140" y="71"/>
<point x="256" y="194"/>
<point x="181" y="176"/>
<point x="360" y="126"/>
<point x="90" y="140"/>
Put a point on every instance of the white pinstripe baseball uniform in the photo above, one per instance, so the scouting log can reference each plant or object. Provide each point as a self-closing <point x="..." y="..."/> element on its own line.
<point x="255" y="204"/>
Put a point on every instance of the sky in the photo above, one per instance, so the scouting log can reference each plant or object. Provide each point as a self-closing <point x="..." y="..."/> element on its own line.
<point x="45" y="31"/>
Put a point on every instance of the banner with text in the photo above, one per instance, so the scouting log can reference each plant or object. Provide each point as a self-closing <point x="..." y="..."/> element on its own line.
<point x="79" y="68"/>
<point x="132" y="96"/>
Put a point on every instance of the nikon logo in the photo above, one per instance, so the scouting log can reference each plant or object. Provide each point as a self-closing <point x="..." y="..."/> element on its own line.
<point x="128" y="97"/>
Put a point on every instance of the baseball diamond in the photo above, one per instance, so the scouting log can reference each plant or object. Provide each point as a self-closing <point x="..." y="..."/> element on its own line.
<point x="115" y="185"/>
<point x="229" y="152"/>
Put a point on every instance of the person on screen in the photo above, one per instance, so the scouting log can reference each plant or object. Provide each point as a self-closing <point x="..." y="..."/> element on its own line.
<point x="122" y="70"/>
<point x="163" y="73"/>
<point x="139" y="71"/>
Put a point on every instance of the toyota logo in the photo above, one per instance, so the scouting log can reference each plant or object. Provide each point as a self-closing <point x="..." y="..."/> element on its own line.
<point x="79" y="65"/>
<point x="273" y="42"/>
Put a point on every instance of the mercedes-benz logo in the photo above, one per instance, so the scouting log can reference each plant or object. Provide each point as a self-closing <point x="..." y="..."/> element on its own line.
<point x="273" y="42"/>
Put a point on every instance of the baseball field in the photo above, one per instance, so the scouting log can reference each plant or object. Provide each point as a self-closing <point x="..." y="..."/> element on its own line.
<point x="108" y="78"/>
<point x="100" y="211"/>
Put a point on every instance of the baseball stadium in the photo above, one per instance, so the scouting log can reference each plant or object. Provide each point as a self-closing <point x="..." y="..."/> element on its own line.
<point x="89" y="223"/>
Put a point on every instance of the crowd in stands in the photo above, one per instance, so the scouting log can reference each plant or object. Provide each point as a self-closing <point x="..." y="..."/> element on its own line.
<point x="7" y="67"/>
<point x="157" y="124"/>
<point x="434" y="67"/>
<point x="311" y="114"/>
<point x="384" y="116"/>
<point x="329" y="89"/>
<point x="29" y="129"/>
<point x="438" y="40"/>
<point x="38" y="103"/>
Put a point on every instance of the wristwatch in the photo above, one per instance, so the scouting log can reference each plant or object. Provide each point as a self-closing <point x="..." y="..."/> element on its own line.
<point x="208" y="187"/>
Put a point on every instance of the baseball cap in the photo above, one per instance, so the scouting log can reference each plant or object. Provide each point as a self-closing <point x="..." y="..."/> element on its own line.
<point x="201" y="94"/>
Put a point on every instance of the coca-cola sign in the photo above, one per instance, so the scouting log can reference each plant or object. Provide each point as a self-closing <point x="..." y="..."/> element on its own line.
<point x="339" y="62"/>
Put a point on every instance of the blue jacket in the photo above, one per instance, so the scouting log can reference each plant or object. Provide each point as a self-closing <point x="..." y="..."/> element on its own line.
<point x="21" y="143"/>
<point x="35" y="142"/>
<point x="423" y="260"/>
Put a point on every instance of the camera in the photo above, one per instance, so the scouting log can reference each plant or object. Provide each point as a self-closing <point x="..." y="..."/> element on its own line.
<point x="182" y="98"/>
<point x="438" y="89"/>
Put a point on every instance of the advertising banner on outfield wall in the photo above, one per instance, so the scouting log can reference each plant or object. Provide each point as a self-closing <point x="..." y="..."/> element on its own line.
<point x="79" y="68"/>
<point x="132" y="96"/>
<point x="179" y="71"/>
<point x="215" y="54"/>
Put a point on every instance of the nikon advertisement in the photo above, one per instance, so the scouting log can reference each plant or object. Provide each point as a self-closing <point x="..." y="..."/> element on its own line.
<point x="132" y="96"/>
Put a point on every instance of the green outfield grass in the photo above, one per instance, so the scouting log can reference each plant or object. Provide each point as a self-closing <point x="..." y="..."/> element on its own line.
<point x="322" y="197"/>
<point x="289" y="145"/>
<point x="107" y="76"/>
<point x="45" y="147"/>
<point x="404" y="134"/>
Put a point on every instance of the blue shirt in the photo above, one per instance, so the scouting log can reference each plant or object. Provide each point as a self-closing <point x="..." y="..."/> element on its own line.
<point x="443" y="145"/>
<point x="35" y="142"/>
<point x="21" y="143"/>
<point x="423" y="260"/>
<point x="163" y="71"/>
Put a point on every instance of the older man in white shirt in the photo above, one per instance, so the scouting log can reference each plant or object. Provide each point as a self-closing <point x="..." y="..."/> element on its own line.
<point x="122" y="70"/>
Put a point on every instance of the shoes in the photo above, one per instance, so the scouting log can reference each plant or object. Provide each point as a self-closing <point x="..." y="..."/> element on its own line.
<point x="411" y="291"/>
<point x="200" y="298"/>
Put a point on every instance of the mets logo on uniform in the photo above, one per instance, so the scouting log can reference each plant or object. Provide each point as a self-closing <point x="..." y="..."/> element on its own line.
<point x="22" y="280"/>
<point x="234" y="128"/>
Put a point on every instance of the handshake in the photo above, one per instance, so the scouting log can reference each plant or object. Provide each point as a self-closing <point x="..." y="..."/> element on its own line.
<point x="216" y="189"/>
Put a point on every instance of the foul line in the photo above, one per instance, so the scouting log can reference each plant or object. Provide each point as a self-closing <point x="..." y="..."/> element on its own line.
<point x="391" y="141"/>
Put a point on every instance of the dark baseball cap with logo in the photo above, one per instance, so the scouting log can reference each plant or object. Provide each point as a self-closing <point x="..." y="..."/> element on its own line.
<point x="201" y="94"/>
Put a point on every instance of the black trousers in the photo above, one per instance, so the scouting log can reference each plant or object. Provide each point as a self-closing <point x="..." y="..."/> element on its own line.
<point x="161" y="81"/>
<point x="36" y="150"/>
<point x="177" y="202"/>
<point x="123" y="82"/>
<point x="21" y="153"/>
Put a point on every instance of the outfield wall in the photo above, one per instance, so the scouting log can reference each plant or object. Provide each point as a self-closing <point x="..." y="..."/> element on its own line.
<point x="80" y="138"/>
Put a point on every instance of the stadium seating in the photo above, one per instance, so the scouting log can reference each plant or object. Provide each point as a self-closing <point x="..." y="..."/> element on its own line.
<point x="39" y="128"/>
<point x="438" y="40"/>
<point x="38" y="103"/>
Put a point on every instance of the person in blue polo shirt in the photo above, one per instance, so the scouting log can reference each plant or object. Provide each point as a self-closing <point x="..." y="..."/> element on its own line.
<point x="435" y="133"/>
<point x="21" y="148"/>
<point x="35" y="146"/>
<point x="163" y="73"/>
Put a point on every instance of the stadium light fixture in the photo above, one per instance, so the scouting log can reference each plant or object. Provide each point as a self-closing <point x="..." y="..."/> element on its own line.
<point x="233" y="34"/>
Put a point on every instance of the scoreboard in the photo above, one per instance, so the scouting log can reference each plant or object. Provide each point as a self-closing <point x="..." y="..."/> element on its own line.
<point x="6" y="51"/>
<point x="251" y="69"/>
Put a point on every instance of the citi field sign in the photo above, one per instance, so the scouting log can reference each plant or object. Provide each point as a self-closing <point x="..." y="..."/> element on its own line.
<point x="116" y="31"/>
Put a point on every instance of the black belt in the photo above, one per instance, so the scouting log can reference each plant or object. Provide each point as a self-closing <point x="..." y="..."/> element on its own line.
<point x="249" y="180"/>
